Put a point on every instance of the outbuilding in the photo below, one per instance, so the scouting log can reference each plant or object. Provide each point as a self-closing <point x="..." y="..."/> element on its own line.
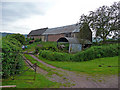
<point x="37" y="34"/>
<point x="75" y="45"/>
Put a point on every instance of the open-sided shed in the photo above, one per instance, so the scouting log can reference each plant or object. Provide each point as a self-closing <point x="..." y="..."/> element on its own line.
<point x="75" y="45"/>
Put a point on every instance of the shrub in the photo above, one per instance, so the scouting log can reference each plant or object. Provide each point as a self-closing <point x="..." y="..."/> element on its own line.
<point x="54" y="56"/>
<point x="97" y="52"/>
<point x="11" y="57"/>
<point x="88" y="54"/>
<point x="19" y="37"/>
<point x="46" y="46"/>
<point x="37" y="40"/>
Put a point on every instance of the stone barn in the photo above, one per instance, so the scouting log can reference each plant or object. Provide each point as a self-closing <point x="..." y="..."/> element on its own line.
<point x="53" y="34"/>
<point x="78" y="37"/>
<point x="37" y="34"/>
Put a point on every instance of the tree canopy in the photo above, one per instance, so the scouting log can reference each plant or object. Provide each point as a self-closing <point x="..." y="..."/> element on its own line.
<point x="19" y="37"/>
<point x="104" y="21"/>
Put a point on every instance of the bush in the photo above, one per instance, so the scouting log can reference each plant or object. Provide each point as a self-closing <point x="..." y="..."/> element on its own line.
<point x="11" y="56"/>
<point x="46" y="46"/>
<point x="19" y="37"/>
<point x="37" y="40"/>
<point x="89" y="54"/>
<point x="97" y="52"/>
<point x="55" y="56"/>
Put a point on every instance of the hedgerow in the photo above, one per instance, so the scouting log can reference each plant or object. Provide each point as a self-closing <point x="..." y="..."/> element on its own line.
<point x="55" y="56"/>
<point x="88" y="54"/>
<point x="11" y="58"/>
<point x="97" y="52"/>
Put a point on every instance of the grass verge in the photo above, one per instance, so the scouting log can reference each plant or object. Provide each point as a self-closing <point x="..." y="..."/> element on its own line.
<point x="44" y="67"/>
<point x="39" y="82"/>
<point x="109" y="65"/>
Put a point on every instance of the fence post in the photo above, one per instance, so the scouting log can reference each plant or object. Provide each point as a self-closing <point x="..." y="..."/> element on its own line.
<point x="35" y="65"/>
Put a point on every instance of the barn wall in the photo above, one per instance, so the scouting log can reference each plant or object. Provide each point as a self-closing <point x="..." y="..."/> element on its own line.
<point x="55" y="37"/>
<point x="37" y="37"/>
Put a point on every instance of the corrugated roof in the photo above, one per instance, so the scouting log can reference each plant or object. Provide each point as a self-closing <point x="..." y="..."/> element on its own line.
<point x="72" y="40"/>
<point x="38" y="31"/>
<point x="63" y="29"/>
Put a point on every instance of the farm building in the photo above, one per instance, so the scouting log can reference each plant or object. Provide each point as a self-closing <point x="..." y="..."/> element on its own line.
<point x="37" y="34"/>
<point x="78" y="37"/>
<point x="75" y="45"/>
<point x="53" y="34"/>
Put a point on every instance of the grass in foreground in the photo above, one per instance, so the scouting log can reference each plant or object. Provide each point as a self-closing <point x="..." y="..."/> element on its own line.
<point x="39" y="82"/>
<point x="89" y="67"/>
<point x="48" y="69"/>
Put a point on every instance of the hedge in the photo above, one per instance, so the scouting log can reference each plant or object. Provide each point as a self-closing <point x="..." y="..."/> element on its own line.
<point x="97" y="52"/>
<point x="88" y="54"/>
<point x="55" y="56"/>
<point x="11" y="56"/>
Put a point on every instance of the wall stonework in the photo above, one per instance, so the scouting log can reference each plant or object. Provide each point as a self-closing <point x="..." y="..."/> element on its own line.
<point x="55" y="37"/>
<point x="37" y="37"/>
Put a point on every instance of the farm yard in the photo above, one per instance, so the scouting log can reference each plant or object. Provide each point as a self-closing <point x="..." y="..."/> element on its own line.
<point x="66" y="71"/>
<point x="81" y="55"/>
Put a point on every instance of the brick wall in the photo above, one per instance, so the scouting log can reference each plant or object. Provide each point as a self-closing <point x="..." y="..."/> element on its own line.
<point x="55" y="37"/>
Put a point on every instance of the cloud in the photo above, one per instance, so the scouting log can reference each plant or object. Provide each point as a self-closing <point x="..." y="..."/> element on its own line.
<point x="25" y="16"/>
<point x="14" y="14"/>
<point x="12" y="11"/>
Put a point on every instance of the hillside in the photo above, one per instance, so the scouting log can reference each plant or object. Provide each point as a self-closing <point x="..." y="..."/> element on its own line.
<point x="5" y="33"/>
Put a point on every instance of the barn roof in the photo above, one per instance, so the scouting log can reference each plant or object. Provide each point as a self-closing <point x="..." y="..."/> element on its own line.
<point x="37" y="32"/>
<point x="72" y="40"/>
<point x="63" y="29"/>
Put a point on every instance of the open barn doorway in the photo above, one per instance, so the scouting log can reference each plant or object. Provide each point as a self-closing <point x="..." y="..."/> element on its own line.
<point x="63" y="44"/>
<point x="72" y="44"/>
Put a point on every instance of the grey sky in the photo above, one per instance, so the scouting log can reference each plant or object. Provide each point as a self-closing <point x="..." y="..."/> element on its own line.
<point x="12" y="11"/>
<point x="22" y="17"/>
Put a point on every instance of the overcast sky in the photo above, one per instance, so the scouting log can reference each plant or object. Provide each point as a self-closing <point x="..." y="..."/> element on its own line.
<point x="23" y="16"/>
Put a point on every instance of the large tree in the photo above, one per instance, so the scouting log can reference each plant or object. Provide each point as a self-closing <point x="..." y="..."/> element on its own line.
<point x="105" y="21"/>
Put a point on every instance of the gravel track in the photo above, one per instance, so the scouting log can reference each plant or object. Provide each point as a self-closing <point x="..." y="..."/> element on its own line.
<point x="71" y="79"/>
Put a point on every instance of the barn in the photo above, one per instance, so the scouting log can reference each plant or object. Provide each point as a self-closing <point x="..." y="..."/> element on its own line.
<point x="37" y="34"/>
<point x="53" y="34"/>
<point x="78" y="37"/>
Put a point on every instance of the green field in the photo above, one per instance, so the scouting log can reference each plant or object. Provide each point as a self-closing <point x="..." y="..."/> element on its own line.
<point x="109" y="66"/>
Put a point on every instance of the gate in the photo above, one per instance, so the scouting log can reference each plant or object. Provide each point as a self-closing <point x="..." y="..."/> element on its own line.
<point x="27" y="67"/>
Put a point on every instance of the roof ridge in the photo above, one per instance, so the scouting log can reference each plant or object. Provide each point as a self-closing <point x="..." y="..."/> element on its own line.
<point x="40" y="29"/>
<point x="62" y="26"/>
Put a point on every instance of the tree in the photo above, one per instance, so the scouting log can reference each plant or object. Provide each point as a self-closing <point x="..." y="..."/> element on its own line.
<point x="19" y="37"/>
<point x="105" y="21"/>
